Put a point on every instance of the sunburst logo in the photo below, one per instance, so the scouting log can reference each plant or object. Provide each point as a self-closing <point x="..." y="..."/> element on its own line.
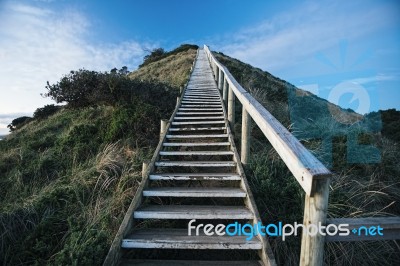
<point x="348" y="84"/>
<point x="349" y="92"/>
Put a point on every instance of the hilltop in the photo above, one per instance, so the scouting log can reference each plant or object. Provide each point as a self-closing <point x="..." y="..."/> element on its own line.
<point x="69" y="174"/>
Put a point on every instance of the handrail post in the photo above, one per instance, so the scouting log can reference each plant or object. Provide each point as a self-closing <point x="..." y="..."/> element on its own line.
<point x="246" y="132"/>
<point x="315" y="210"/>
<point x="163" y="126"/>
<point x="231" y="108"/>
<point x="217" y="75"/>
<point x="220" y="80"/>
<point x="145" y="167"/>
<point x="225" y="91"/>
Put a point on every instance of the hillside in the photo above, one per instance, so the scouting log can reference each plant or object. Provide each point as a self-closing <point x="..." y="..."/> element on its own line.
<point x="361" y="151"/>
<point x="66" y="179"/>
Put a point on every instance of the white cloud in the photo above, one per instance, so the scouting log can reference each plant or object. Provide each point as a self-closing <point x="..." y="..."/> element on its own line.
<point x="376" y="78"/>
<point x="296" y="35"/>
<point x="40" y="44"/>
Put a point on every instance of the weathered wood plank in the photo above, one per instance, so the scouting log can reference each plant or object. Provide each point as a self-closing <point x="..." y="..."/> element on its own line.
<point x="179" y="239"/>
<point x="194" y="192"/>
<point x="190" y="263"/>
<point x="198" y="122"/>
<point x="198" y="117"/>
<point x="166" y="153"/>
<point x="197" y="136"/>
<point x="192" y="212"/>
<point x="390" y="229"/>
<point x="193" y="144"/>
<point x="195" y="163"/>
<point x="246" y="134"/>
<point x="201" y="105"/>
<point x="315" y="210"/>
<point x="197" y="129"/>
<point x="199" y="113"/>
<point x="194" y="176"/>
<point x="199" y="97"/>
<point x="204" y="100"/>
<point x="200" y="109"/>
<point x="211" y="103"/>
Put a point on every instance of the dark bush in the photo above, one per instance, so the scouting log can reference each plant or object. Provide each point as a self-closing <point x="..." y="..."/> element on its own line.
<point x="19" y="122"/>
<point x="84" y="88"/>
<point x="46" y="111"/>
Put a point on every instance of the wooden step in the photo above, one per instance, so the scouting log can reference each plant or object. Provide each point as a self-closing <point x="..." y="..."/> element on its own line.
<point x="198" y="117"/>
<point x="197" y="97"/>
<point x="195" y="144"/>
<point x="146" y="262"/>
<point x="197" y="136"/>
<point x="202" y="102"/>
<point x="196" y="128"/>
<point x="192" y="212"/>
<point x="195" y="163"/>
<point x="201" y="105"/>
<point x="202" y="95"/>
<point x="198" y="122"/>
<point x="199" y="113"/>
<point x="194" y="192"/>
<point x="179" y="239"/>
<point x="202" y="90"/>
<point x="194" y="176"/>
<point x="214" y="95"/>
<point x="200" y="109"/>
<point x="166" y="153"/>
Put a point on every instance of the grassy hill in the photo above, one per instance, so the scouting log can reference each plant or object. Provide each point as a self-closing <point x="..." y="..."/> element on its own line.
<point x="67" y="178"/>
<point x="361" y="151"/>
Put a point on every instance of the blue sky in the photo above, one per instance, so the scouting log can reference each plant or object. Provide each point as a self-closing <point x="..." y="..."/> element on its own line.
<point x="345" y="51"/>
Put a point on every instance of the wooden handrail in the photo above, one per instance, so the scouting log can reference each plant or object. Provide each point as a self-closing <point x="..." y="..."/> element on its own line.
<point x="311" y="174"/>
<point x="390" y="229"/>
<point x="305" y="167"/>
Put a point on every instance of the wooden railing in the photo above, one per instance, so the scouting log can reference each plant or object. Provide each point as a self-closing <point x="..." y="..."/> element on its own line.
<point x="311" y="174"/>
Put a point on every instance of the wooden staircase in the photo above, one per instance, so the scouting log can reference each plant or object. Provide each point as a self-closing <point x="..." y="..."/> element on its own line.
<point x="195" y="174"/>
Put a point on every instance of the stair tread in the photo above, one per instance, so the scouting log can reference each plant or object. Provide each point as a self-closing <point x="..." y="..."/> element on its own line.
<point x="196" y="152"/>
<point x="198" y="122"/>
<point x="147" y="262"/>
<point x="221" y="192"/>
<point x="200" y="97"/>
<point x="179" y="239"/>
<point x="196" y="163"/>
<point x="200" y="113"/>
<point x="196" y="128"/>
<point x="170" y="144"/>
<point x="200" y="102"/>
<point x="190" y="176"/>
<point x="192" y="212"/>
<point x="201" y="109"/>
<point x="197" y="117"/>
<point x="197" y="136"/>
<point x="200" y="105"/>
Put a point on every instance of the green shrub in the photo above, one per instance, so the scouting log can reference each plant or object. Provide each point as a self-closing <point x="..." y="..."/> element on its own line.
<point x="45" y="111"/>
<point x="19" y="122"/>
